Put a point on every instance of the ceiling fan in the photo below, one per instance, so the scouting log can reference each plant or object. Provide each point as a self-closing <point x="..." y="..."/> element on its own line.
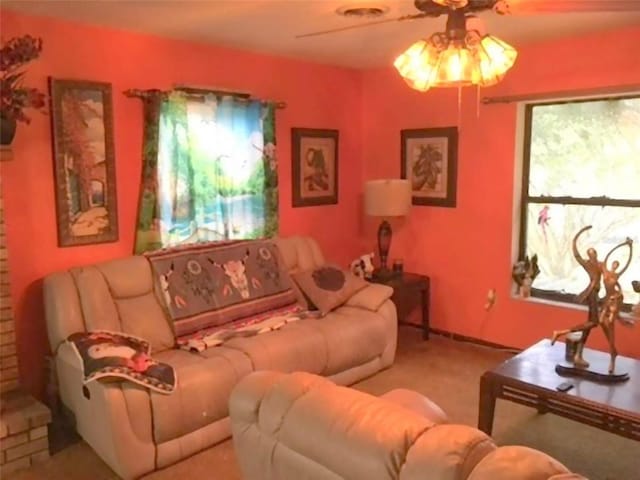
<point x="463" y="54"/>
<point x="436" y="8"/>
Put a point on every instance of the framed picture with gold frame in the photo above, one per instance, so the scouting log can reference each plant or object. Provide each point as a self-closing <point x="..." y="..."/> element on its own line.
<point x="429" y="159"/>
<point x="314" y="155"/>
<point x="84" y="162"/>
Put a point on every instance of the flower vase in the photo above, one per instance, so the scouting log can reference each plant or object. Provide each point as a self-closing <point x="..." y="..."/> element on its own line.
<point x="7" y="130"/>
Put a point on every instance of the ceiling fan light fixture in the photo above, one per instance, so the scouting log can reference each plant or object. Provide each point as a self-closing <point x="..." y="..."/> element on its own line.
<point x="501" y="54"/>
<point x="456" y="67"/>
<point x="446" y="60"/>
<point x="418" y="65"/>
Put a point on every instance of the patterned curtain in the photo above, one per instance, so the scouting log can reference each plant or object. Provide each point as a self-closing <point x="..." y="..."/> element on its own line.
<point x="210" y="171"/>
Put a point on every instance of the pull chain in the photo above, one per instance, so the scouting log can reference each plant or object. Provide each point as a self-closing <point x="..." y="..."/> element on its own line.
<point x="459" y="104"/>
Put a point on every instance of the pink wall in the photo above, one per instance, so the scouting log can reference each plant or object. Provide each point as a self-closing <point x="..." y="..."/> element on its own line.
<point x="317" y="96"/>
<point x="467" y="250"/>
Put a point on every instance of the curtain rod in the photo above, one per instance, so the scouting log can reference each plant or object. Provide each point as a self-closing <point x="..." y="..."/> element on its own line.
<point x="613" y="91"/>
<point x="198" y="94"/>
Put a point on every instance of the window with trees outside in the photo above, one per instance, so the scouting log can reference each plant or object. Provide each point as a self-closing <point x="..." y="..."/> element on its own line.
<point x="581" y="167"/>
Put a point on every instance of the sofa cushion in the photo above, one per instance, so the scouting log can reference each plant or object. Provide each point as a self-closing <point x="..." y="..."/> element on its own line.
<point x="211" y="284"/>
<point x="297" y="346"/>
<point x="349" y="432"/>
<point x="355" y="336"/>
<point x="205" y="383"/>
<point x="328" y="286"/>
<point x="300" y="253"/>
<point x="118" y="296"/>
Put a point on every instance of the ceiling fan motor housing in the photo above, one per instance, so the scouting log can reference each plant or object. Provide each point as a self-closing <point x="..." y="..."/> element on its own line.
<point x="456" y="25"/>
<point x="443" y="7"/>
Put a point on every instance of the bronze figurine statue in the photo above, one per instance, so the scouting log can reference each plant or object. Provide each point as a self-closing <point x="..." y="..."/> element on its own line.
<point x="636" y="288"/>
<point x="605" y="311"/>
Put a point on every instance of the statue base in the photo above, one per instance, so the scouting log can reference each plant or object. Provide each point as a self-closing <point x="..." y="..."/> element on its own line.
<point x="571" y="371"/>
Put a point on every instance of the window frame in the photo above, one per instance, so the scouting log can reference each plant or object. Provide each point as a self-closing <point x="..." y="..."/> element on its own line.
<point x="526" y="199"/>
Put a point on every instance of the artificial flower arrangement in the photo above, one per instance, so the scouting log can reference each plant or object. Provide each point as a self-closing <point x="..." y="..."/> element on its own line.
<point x="14" y="96"/>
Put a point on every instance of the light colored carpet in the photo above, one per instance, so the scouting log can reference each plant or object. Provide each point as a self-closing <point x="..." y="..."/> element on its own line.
<point x="446" y="371"/>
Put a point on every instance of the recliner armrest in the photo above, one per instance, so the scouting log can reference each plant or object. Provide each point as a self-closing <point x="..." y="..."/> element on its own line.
<point x="245" y="399"/>
<point x="113" y="417"/>
<point x="372" y="297"/>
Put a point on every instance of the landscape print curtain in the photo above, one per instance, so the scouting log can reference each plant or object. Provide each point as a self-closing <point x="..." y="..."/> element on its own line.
<point x="209" y="171"/>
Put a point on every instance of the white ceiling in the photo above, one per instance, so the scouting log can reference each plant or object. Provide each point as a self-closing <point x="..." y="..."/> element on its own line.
<point x="271" y="25"/>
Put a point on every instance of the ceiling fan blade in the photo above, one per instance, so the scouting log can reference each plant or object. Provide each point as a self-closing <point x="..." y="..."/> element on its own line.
<point x="368" y="24"/>
<point x="518" y="7"/>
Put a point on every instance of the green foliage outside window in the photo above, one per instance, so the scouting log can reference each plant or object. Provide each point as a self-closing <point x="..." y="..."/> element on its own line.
<point x="583" y="169"/>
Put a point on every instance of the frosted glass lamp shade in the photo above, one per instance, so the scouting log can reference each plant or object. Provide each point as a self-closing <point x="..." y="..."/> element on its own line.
<point x="387" y="198"/>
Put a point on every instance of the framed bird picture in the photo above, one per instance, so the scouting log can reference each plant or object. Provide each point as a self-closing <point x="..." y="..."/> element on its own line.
<point x="429" y="159"/>
<point x="314" y="155"/>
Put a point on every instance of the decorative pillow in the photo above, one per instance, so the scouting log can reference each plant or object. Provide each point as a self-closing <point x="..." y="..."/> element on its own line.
<point x="115" y="355"/>
<point x="328" y="286"/>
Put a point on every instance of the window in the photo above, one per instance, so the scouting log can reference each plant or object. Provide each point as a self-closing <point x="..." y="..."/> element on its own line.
<point x="581" y="167"/>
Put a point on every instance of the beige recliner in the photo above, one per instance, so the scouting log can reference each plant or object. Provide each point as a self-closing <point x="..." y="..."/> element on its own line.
<point x="304" y="427"/>
<point x="136" y="431"/>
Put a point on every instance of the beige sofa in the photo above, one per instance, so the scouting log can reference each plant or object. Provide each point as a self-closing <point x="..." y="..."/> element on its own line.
<point x="135" y="431"/>
<point x="304" y="427"/>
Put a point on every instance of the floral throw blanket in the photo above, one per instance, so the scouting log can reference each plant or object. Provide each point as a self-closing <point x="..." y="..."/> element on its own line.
<point x="119" y="356"/>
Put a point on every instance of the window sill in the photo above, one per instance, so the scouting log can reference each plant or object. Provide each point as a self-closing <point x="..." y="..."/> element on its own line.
<point x="551" y="303"/>
<point x="558" y="304"/>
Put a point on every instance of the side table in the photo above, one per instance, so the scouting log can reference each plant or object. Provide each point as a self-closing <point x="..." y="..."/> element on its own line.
<point x="409" y="290"/>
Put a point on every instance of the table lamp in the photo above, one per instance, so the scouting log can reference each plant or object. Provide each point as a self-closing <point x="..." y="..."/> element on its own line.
<point x="386" y="198"/>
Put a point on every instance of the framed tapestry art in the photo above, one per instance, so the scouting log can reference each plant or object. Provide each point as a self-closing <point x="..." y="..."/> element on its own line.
<point x="429" y="159"/>
<point x="84" y="162"/>
<point x="315" y="167"/>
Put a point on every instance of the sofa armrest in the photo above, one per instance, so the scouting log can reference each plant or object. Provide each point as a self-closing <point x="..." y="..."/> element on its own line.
<point x="372" y="297"/>
<point x="245" y="399"/>
<point x="515" y="461"/>
<point x="417" y="403"/>
<point x="114" y="418"/>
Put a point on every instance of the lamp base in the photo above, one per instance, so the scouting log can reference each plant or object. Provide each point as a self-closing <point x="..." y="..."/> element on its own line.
<point x="384" y="243"/>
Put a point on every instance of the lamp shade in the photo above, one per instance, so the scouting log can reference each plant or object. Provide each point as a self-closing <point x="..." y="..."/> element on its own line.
<point x="387" y="198"/>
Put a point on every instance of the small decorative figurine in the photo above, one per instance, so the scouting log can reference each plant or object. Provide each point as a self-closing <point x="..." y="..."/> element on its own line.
<point x="363" y="266"/>
<point x="524" y="273"/>
<point x="603" y="312"/>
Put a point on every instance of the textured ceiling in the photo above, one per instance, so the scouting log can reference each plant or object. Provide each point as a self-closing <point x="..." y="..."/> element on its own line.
<point x="271" y="25"/>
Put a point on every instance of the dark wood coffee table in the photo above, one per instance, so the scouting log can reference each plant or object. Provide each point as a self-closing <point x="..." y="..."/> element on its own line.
<point x="529" y="378"/>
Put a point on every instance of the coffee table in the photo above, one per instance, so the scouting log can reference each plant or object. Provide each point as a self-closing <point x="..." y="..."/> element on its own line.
<point x="529" y="378"/>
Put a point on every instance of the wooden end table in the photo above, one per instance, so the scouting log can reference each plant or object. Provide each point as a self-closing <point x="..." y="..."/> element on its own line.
<point x="529" y="378"/>
<point x="409" y="290"/>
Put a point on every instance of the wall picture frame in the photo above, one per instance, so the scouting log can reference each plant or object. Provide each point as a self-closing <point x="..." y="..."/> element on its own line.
<point x="84" y="161"/>
<point x="314" y="156"/>
<point x="429" y="160"/>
